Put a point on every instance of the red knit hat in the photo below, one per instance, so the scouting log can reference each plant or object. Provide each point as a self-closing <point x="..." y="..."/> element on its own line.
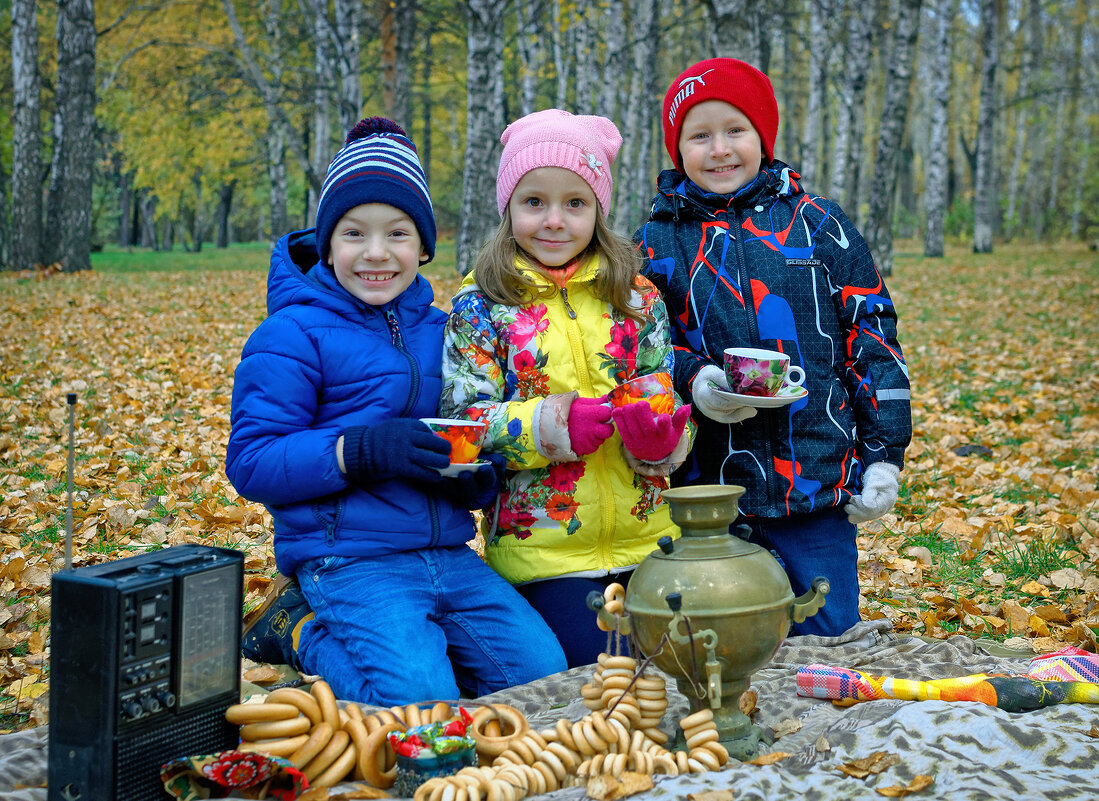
<point x="735" y="82"/>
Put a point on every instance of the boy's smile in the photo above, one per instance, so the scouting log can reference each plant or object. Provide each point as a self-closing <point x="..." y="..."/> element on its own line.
<point x="376" y="252"/>
<point x="721" y="150"/>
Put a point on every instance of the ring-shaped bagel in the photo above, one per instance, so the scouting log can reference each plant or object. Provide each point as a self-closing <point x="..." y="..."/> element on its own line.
<point x="701" y="737"/>
<point x="243" y="714"/>
<point x="272" y="729"/>
<point x="702" y="716"/>
<point x="614" y="592"/>
<point x="328" y="755"/>
<point x="374" y="762"/>
<point x="299" y="698"/>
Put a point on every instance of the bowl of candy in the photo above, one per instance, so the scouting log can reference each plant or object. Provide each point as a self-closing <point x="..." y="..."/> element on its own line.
<point x="434" y="749"/>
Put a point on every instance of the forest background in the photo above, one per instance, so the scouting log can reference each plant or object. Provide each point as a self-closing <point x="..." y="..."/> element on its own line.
<point x="184" y="123"/>
<point x="165" y="144"/>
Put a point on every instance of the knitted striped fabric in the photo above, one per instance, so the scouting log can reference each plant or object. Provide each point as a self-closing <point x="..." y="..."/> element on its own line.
<point x="378" y="164"/>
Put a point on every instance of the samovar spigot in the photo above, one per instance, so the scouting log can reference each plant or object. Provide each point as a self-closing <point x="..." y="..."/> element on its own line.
<point x="806" y="605"/>
<point x="679" y="632"/>
<point x="618" y="623"/>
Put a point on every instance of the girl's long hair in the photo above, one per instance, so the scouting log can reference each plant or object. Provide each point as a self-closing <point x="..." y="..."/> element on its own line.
<point x="498" y="276"/>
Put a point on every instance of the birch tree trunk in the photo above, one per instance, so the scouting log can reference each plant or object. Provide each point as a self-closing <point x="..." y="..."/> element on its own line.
<point x="348" y="49"/>
<point x="528" y="14"/>
<point x="324" y="71"/>
<point x="276" y="134"/>
<point x="5" y="225"/>
<point x="736" y="30"/>
<point x="847" y="169"/>
<point x="584" y="40"/>
<point x="26" y="171"/>
<point x="986" y="196"/>
<point x="1083" y="140"/>
<point x="938" y="144"/>
<point x="879" y="228"/>
<point x="632" y="190"/>
<point x="1056" y="158"/>
<point x="561" y="63"/>
<point x="427" y="62"/>
<point x="69" y="217"/>
<point x="225" y="208"/>
<point x="483" y="129"/>
<point x="1029" y="63"/>
<point x="400" y="35"/>
<point x="811" y="131"/>
<point x="614" y="39"/>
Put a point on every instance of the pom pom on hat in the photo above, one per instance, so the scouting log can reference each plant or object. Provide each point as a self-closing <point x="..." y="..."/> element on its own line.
<point x="377" y="164"/>
<point x="737" y="83"/>
<point x="585" y="144"/>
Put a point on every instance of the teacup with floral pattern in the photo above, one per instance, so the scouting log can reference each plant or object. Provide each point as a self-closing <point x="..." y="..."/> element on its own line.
<point x="760" y="372"/>
<point x="656" y="388"/>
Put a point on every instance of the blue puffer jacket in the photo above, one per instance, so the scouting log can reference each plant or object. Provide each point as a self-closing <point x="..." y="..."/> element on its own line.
<point x="322" y="361"/>
<point x="776" y="267"/>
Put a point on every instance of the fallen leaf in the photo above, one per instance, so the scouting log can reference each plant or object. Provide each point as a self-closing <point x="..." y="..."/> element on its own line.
<point x="1093" y="732"/>
<point x="602" y="787"/>
<point x="1034" y="588"/>
<point x="875" y="763"/>
<point x="787" y="726"/>
<point x="822" y="745"/>
<point x="921" y="782"/>
<point x="768" y="759"/>
<point x="1067" y="578"/>
<point x="711" y="795"/>
<point x="747" y="702"/>
<point x="263" y="674"/>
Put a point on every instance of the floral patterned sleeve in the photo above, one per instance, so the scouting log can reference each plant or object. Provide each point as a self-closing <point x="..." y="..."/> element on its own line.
<point x="654" y="344"/>
<point x="477" y="384"/>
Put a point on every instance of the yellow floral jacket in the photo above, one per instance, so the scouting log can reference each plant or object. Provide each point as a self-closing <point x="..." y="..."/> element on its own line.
<point x="558" y="514"/>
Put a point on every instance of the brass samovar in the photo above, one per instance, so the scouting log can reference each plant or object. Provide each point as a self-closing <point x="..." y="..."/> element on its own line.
<point x="711" y="609"/>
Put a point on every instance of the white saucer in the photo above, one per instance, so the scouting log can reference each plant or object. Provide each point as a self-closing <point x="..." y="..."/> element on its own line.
<point x="457" y="469"/>
<point x="785" y="397"/>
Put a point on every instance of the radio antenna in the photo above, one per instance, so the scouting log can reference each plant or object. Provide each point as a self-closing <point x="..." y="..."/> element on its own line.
<point x="70" y="398"/>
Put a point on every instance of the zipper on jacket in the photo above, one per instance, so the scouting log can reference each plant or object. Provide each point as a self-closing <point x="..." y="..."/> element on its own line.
<point x="753" y="328"/>
<point x="333" y="524"/>
<point x="398" y="343"/>
<point x="433" y="514"/>
<point x="580" y="362"/>
<point x="565" y="300"/>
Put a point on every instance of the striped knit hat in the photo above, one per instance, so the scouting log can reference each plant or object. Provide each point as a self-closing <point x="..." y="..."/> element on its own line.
<point x="377" y="164"/>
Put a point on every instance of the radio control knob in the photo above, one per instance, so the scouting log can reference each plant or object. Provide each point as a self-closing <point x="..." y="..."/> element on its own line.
<point x="132" y="710"/>
<point x="150" y="704"/>
<point x="167" y="699"/>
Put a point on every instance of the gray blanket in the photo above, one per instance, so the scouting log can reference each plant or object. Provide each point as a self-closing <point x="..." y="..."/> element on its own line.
<point x="972" y="751"/>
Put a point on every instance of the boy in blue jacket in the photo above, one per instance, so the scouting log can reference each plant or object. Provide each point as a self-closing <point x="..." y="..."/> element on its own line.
<point x="325" y="433"/>
<point x="746" y="257"/>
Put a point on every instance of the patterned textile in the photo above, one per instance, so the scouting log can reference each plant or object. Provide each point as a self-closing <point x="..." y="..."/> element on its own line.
<point x="233" y="774"/>
<point x="1042" y="686"/>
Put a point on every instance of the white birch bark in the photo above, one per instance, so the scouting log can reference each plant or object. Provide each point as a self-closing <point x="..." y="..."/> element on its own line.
<point x="851" y="125"/>
<point x="276" y="141"/>
<point x="986" y="197"/>
<point x="404" y="20"/>
<point x="736" y="30"/>
<point x="483" y="128"/>
<point x="26" y="173"/>
<point x="528" y="14"/>
<point x="634" y="185"/>
<point x="614" y="39"/>
<point x="561" y="37"/>
<point x="879" y="229"/>
<point x="323" y="71"/>
<point x="1083" y="153"/>
<point x="69" y="216"/>
<point x="1029" y="61"/>
<point x="938" y="141"/>
<point x="811" y="130"/>
<point x="585" y="61"/>
<point x="348" y="48"/>
<point x="1055" y="160"/>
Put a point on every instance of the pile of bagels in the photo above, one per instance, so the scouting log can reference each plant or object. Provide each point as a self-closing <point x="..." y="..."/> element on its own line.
<point x="619" y="734"/>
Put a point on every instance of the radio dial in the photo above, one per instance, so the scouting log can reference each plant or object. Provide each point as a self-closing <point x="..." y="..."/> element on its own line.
<point x="150" y="704"/>
<point x="132" y="710"/>
<point x="167" y="699"/>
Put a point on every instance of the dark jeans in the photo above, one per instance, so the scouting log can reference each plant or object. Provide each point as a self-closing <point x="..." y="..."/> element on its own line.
<point x="562" y="603"/>
<point x="816" y="544"/>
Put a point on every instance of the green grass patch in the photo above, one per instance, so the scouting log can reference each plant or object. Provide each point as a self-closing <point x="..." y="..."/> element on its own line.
<point x="243" y="256"/>
<point x="1035" y="558"/>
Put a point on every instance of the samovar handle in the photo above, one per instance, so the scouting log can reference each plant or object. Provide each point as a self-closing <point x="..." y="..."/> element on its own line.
<point x="619" y="623"/>
<point x="808" y="604"/>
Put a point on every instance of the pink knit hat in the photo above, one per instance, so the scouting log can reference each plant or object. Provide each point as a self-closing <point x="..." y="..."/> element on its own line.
<point x="585" y="144"/>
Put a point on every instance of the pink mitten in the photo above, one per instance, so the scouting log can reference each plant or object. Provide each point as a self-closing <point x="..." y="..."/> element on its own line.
<point x="588" y="425"/>
<point x="650" y="437"/>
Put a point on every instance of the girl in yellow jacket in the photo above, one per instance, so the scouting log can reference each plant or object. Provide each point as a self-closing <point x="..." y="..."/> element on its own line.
<point x="553" y="316"/>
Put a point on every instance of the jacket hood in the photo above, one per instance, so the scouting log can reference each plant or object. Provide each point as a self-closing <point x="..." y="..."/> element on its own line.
<point x="297" y="277"/>
<point x="678" y="193"/>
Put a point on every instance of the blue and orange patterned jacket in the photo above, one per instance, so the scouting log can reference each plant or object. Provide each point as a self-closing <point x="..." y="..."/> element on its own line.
<point x="776" y="267"/>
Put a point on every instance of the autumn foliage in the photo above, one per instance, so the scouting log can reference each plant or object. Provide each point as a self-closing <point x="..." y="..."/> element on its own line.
<point x="996" y="533"/>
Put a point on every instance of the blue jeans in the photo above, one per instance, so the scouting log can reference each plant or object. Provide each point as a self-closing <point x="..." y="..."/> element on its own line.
<point x="562" y="602"/>
<point x="811" y="545"/>
<point x="417" y="625"/>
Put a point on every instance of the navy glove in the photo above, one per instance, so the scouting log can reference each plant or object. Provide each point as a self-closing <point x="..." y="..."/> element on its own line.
<point x="397" y="448"/>
<point x="478" y="488"/>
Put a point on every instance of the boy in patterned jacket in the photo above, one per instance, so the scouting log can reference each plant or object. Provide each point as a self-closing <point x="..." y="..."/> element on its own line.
<point x="746" y="257"/>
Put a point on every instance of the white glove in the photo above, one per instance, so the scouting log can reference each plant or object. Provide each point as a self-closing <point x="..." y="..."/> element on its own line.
<point x="879" y="493"/>
<point x="715" y="406"/>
